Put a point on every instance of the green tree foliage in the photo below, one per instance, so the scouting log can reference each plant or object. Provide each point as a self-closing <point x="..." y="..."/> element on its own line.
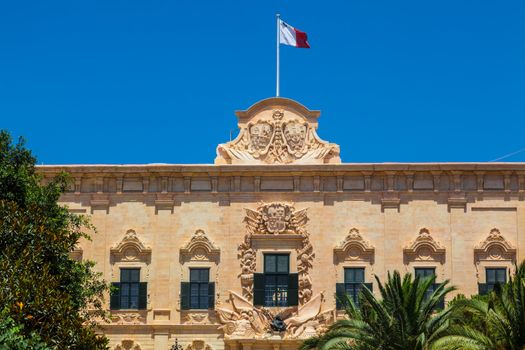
<point x="403" y="319"/>
<point x="494" y="322"/>
<point x="45" y="293"/>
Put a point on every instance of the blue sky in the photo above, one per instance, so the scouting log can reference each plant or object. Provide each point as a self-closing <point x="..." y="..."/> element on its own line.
<point x="158" y="81"/>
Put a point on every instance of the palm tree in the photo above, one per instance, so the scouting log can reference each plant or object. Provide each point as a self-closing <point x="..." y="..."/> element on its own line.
<point x="495" y="323"/>
<point x="405" y="318"/>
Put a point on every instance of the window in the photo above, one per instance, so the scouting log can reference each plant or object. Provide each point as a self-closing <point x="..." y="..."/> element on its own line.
<point x="276" y="286"/>
<point x="199" y="292"/>
<point x="354" y="282"/>
<point x="129" y="293"/>
<point x="199" y="280"/>
<point x="494" y="275"/>
<point x="425" y="272"/>
<point x="276" y="272"/>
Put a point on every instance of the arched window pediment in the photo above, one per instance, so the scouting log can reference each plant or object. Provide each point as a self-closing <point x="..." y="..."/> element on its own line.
<point x="495" y="247"/>
<point x="200" y="247"/>
<point x="130" y="247"/>
<point x="424" y="247"/>
<point x="354" y="247"/>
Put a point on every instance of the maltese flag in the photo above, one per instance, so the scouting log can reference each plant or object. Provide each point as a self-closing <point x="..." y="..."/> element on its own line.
<point x="291" y="36"/>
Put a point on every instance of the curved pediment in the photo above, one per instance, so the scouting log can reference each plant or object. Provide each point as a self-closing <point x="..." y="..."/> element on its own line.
<point x="277" y="131"/>
<point x="200" y="247"/>
<point x="495" y="247"/>
<point x="354" y="247"/>
<point x="130" y="247"/>
<point x="425" y="247"/>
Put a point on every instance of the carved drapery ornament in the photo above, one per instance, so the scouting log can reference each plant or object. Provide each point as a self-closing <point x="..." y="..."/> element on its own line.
<point x="424" y="248"/>
<point x="241" y="320"/>
<point x="130" y="248"/>
<point x="495" y="247"/>
<point x="286" y="135"/>
<point x="200" y="248"/>
<point x="354" y="247"/>
<point x="127" y="317"/>
<point x="276" y="219"/>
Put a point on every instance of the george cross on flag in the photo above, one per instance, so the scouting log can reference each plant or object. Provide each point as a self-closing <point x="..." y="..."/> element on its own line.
<point x="288" y="35"/>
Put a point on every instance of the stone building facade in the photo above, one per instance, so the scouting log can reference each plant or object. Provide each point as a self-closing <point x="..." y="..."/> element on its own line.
<point x="211" y="254"/>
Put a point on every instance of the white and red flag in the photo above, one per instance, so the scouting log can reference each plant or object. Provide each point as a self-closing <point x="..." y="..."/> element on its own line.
<point x="288" y="35"/>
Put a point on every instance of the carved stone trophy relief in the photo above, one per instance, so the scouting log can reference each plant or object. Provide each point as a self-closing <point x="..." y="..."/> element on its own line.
<point x="239" y="318"/>
<point x="281" y="138"/>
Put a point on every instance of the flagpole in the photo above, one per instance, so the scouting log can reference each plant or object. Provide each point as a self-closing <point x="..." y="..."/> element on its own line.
<point x="277" y="16"/>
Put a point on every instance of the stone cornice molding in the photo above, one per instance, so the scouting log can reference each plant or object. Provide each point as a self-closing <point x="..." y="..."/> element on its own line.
<point x="352" y="241"/>
<point x="494" y="244"/>
<point x="200" y="247"/>
<point x="130" y="246"/>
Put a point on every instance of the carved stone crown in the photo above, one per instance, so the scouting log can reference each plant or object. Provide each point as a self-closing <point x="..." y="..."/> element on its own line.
<point x="277" y="131"/>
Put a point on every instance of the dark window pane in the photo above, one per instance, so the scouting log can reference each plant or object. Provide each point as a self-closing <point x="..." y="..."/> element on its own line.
<point x="423" y="272"/>
<point x="501" y="276"/>
<point x="124" y="289"/>
<point x="270" y="263"/>
<point x="203" y="289"/>
<point x="134" y="302"/>
<point x="354" y="275"/>
<point x="134" y="275"/>
<point x="134" y="289"/>
<point x="194" y="302"/>
<point x="203" y="302"/>
<point x="194" y="275"/>
<point x="124" y="303"/>
<point x="491" y="275"/>
<point x="204" y="275"/>
<point x="282" y="263"/>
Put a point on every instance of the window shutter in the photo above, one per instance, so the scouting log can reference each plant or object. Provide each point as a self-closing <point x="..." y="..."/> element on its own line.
<point x="143" y="295"/>
<point x="211" y="295"/>
<point x="185" y="295"/>
<point x="114" y="299"/>
<point x="339" y="295"/>
<point x="369" y="286"/>
<point x="293" y="289"/>
<point x="258" y="289"/>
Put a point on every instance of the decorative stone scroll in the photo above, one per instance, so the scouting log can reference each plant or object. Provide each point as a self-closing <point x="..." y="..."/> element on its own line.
<point x="277" y="131"/>
<point x="495" y="247"/>
<point x="241" y="320"/>
<point x="130" y="248"/>
<point x="200" y="248"/>
<point x="276" y="219"/>
<point x="424" y="248"/>
<point x="354" y="248"/>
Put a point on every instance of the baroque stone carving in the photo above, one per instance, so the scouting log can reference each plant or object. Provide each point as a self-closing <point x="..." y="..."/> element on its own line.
<point x="127" y="318"/>
<point x="240" y="319"/>
<point x="198" y="345"/>
<point x="495" y="247"/>
<point x="279" y="137"/>
<point x="274" y="219"/>
<point x="130" y="248"/>
<point x="354" y="247"/>
<point x="128" y="344"/>
<point x="197" y="318"/>
<point x="425" y="248"/>
<point x="200" y="248"/>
